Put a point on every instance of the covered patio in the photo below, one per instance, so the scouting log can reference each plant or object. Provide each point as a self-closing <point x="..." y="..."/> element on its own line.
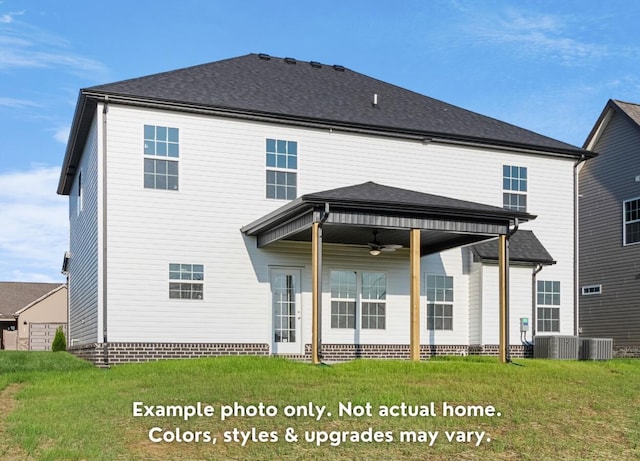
<point x="423" y="223"/>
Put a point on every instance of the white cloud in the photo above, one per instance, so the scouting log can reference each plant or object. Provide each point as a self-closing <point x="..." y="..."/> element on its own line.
<point x="34" y="221"/>
<point x="535" y="35"/>
<point x="6" y="18"/>
<point x="23" y="45"/>
<point x="62" y="134"/>
<point x="15" y="103"/>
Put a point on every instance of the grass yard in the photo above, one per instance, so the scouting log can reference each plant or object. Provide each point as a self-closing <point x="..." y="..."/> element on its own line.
<point x="55" y="407"/>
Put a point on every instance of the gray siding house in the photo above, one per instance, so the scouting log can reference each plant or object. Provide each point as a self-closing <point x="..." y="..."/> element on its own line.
<point x="609" y="236"/>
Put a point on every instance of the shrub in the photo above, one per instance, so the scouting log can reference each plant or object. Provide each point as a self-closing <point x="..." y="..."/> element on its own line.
<point x="59" y="341"/>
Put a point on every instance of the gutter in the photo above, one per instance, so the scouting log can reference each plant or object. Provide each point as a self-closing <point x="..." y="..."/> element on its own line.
<point x="534" y="295"/>
<point x="88" y="97"/>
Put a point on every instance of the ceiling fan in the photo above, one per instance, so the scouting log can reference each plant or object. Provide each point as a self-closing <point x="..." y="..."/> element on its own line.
<point x="376" y="247"/>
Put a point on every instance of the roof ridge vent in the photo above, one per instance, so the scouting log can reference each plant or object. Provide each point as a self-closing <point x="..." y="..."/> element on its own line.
<point x="338" y="67"/>
<point x="290" y="60"/>
<point x="315" y="64"/>
<point x="264" y="56"/>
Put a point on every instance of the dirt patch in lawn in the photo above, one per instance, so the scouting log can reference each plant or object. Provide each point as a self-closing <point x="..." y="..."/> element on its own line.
<point x="8" y="403"/>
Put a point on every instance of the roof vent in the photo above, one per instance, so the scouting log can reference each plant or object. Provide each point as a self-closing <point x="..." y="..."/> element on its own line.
<point x="264" y="56"/>
<point x="290" y="60"/>
<point x="315" y="64"/>
<point x="338" y="67"/>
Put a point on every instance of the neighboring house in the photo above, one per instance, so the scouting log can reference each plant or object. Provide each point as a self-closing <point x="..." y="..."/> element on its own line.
<point x="30" y="313"/>
<point x="260" y="205"/>
<point x="609" y="199"/>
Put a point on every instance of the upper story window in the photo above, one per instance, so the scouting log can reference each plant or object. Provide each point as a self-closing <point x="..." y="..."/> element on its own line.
<point x="186" y="281"/>
<point x="161" y="152"/>
<point x="514" y="187"/>
<point x="439" y="302"/>
<point x="631" y="218"/>
<point x="282" y="166"/>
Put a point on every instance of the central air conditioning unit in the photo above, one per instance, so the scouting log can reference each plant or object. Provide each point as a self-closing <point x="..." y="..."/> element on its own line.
<point x="556" y="347"/>
<point x="596" y="349"/>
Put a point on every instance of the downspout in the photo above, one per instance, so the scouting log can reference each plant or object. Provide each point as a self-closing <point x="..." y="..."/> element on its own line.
<point x="507" y="339"/>
<point x="323" y="219"/>
<point x="105" y="346"/>
<point x="534" y="295"/>
<point x="65" y="272"/>
<point x="576" y="249"/>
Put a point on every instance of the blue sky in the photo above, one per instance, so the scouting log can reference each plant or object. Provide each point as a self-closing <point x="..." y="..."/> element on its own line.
<point x="547" y="66"/>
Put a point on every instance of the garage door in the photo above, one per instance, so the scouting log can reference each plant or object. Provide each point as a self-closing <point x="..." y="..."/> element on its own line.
<point x="41" y="335"/>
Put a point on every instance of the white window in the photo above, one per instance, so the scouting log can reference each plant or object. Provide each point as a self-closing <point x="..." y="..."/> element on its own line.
<point x="282" y="166"/>
<point x="439" y="290"/>
<point x="343" y="299"/>
<point x="548" y="300"/>
<point x="373" y="300"/>
<point x="79" y="198"/>
<point x="591" y="290"/>
<point x="161" y="153"/>
<point x="186" y="281"/>
<point x="514" y="187"/>
<point x="354" y="293"/>
<point x="631" y="221"/>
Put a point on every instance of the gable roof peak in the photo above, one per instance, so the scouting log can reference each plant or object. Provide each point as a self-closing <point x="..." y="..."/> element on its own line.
<point x="628" y="110"/>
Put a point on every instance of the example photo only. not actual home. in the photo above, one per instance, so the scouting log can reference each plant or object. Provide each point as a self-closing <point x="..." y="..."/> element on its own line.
<point x="272" y="206"/>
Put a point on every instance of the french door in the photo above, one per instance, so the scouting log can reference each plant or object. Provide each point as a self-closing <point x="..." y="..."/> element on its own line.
<point x="285" y="304"/>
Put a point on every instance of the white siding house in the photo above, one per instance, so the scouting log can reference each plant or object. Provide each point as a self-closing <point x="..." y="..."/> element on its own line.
<point x="184" y="241"/>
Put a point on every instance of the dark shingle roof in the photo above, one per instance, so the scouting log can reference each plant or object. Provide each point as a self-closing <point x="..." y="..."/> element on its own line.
<point x="373" y="195"/>
<point x="524" y="246"/>
<point x="291" y="91"/>
<point x="631" y="109"/>
<point x="291" y="88"/>
<point x="16" y="295"/>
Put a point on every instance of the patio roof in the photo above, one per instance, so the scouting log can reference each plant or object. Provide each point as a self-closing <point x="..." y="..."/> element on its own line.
<point x="524" y="248"/>
<point x="350" y="214"/>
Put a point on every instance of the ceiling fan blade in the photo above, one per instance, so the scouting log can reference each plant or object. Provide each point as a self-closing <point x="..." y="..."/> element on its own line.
<point x="393" y="246"/>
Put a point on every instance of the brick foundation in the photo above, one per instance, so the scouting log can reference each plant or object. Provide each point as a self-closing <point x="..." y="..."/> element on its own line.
<point x="626" y="352"/>
<point x="493" y="350"/>
<point x="119" y="353"/>
<point x="345" y="352"/>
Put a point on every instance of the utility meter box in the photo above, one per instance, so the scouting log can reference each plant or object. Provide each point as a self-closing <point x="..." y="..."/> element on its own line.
<point x="524" y="324"/>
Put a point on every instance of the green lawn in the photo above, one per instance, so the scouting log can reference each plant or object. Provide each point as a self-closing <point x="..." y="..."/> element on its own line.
<point x="55" y="407"/>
